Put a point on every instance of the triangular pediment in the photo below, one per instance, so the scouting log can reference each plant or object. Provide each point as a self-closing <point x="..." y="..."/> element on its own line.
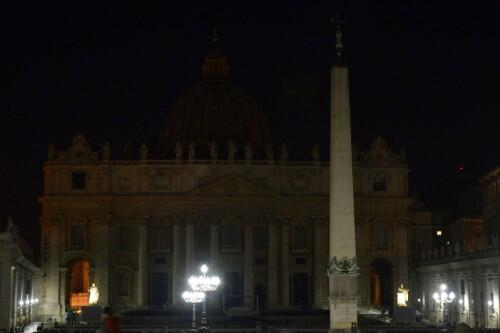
<point x="233" y="186"/>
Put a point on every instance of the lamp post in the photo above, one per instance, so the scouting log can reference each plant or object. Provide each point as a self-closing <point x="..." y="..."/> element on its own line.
<point x="193" y="297"/>
<point x="443" y="297"/>
<point x="204" y="283"/>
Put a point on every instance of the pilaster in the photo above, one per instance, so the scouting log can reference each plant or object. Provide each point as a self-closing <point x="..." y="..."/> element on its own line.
<point x="248" y="267"/>
<point x="272" y="264"/>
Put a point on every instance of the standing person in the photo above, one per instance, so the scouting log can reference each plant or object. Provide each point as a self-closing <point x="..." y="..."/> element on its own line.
<point x="111" y="322"/>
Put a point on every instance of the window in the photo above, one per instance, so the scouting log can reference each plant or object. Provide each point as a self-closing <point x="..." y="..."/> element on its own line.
<point x="78" y="180"/>
<point x="380" y="237"/>
<point x="124" y="238"/>
<point x="462" y="287"/>
<point x="231" y="237"/>
<point x="260" y="237"/>
<point x="260" y="261"/>
<point x="161" y="237"/>
<point x="123" y="284"/>
<point x="300" y="237"/>
<point x="379" y="184"/>
<point x="300" y="261"/>
<point x="77" y="236"/>
<point x="160" y="260"/>
<point x="202" y="238"/>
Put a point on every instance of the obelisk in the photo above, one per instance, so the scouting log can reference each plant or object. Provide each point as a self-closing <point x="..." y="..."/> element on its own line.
<point x="342" y="268"/>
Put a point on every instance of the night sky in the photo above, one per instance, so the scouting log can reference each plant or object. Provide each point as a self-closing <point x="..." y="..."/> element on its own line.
<point x="424" y="75"/>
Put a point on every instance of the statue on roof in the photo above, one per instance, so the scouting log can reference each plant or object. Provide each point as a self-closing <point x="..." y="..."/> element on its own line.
<point x="316" y="153"/>
<point x="214" y="151"/>
<point x="191" y="151"/>
<point x="11" y="227"/>
<point x="248" y="152"/>
<point x="51" y="151"/>
<point x="231" y="151"/>
<point x="143" y="151"/>
<point x="270" y="153"/>
<point x="106" y="152"/>
<point x="179" y="151"/>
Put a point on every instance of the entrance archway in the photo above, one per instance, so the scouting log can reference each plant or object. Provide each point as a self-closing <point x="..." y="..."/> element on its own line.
<point x="79" y="283"/>
<point x="381" y="291"/>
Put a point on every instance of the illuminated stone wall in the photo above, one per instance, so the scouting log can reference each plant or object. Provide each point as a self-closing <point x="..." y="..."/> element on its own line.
<point x="145" y="221"/>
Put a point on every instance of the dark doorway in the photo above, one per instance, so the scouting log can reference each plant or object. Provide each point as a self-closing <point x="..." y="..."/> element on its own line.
<point x="381" y="291"/>
<point x="300" y="285"/>
<point x="260" y="295"/>
<point x="159" y="289"/>
<point x="233" y="289"/>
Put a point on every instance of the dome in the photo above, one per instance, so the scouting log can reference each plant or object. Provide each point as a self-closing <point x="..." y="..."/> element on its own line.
<point x="213" y="110"/>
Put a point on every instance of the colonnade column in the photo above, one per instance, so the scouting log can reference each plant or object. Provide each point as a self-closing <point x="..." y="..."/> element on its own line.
<point x="248" y="267"/>
<point x="177" y="269"/>
<point x="285" y="264"/>
<point x="142" y="279"/>
<point x="272" y="264"/>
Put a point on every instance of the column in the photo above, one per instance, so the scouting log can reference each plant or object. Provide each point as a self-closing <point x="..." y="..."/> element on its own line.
<point x="16" y="293"/>
<point x="272" y="264"/>
<point x="63" y="271"/>
<point x="285" y="264"/>
<point x="320" y="248"/>
<point x="214" y="248"/>
<point x="51" y="306"/>
<point x="248" y="267"/>
<point x="102" y="261"/>
<point x="178" y="272"/>
<point x="190" y="269"/>
<point x="142" y="279"/>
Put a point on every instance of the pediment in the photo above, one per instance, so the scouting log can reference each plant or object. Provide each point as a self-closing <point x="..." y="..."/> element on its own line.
<point x="233" y="186"/>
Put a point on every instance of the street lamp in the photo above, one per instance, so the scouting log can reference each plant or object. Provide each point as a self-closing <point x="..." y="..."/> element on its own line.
<point x="443" y="297"/>
<point x="204" y="283"/>
<point x="193" y="297"/>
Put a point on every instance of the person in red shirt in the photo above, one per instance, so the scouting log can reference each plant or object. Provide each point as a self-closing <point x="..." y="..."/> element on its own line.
<point x="111" y="322"/>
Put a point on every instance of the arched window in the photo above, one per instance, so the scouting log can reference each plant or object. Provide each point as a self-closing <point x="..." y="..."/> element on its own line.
<point x="379" y="183"/>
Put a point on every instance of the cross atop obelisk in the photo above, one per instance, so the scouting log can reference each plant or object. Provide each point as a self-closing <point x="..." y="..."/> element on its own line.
<point x="343" y="268"/>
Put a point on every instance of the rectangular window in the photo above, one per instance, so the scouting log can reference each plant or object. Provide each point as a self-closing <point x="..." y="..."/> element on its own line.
<point x="160" y="260"/>
<point x="300" y="237"/>
<point x="77" y="236"/>
<point x="231" y="237"/>
<point x="161" y="237"/>
<point x="260" y="261"/>
<point x="202" y="238"/>
<point x="379" y="183"/>
<point x="260" y="238"/>
<point x="124" y="238"/>
<point x="300" y="261"/>
<point x="380" y="237"/>
<point x="462" y="287"/>
<point x="78" y="180"/>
